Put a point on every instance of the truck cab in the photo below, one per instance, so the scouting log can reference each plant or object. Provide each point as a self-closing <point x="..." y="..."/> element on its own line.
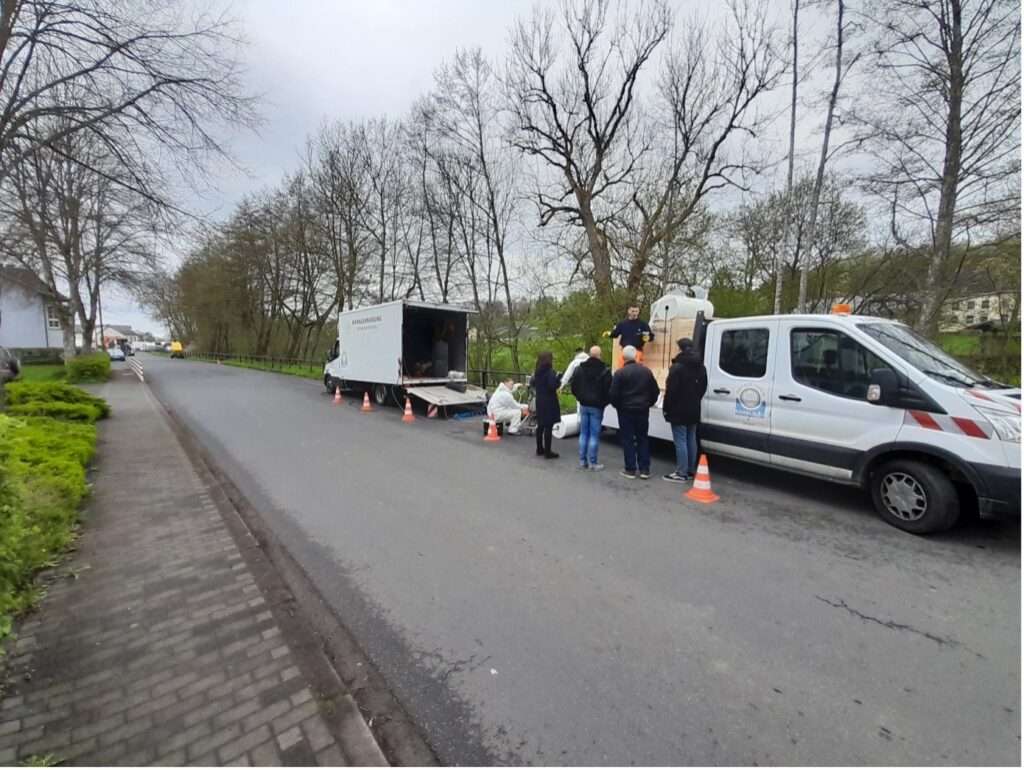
<point x="864" y="401"/>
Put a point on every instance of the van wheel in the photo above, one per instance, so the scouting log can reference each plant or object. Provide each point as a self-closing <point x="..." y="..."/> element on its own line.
<point x="380" y="394"/>
<point x="330" y="384"/>
<point x="915" y="496"/>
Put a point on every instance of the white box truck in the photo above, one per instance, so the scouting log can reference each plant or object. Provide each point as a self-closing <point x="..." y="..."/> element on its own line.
<point x="856" y="400"/>
<point x="404" y="348"/>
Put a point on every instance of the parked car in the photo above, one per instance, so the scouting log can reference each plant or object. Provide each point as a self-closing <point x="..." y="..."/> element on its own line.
<point x="116" y="354"/>
<point x="10" y="367"/>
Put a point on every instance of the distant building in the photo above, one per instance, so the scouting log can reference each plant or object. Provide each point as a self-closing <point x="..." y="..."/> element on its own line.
<point x="977" y="311"/>
<point x="28" y="312"/>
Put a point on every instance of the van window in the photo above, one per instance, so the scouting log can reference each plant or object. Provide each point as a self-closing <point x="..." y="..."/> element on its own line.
<point x="829" y="360"/>
<point x="744" y="352"/>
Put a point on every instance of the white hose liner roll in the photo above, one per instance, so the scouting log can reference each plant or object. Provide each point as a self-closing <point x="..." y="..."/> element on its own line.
<point x="568" y="427"/>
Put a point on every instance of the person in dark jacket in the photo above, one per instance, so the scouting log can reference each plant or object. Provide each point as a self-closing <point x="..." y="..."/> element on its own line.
<point x="545" y="384"/>
<point x="631" y="330"/>
<point x="634" y="391"/>
<point x="591" y="384"/>
<point x="686" y="385"/>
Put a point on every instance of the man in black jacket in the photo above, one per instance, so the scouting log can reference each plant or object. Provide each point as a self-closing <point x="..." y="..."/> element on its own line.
<point x="634" y="391"/>
<point x="685" y="387"/>
<point x="590" y="384"/>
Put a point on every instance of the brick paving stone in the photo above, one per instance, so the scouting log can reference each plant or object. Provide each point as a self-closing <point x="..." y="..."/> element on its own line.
<point x="163" y="650"/>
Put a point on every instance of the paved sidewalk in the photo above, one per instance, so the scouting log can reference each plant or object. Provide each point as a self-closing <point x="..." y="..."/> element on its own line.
<point x="156" y="642"/>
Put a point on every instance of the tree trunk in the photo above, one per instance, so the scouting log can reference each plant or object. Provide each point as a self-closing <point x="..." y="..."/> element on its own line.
<point x="67" y="328"/>
<point x="935" y="289"/>
<point x="598" y="247"/>
<point x="789" y="176"/>
<point x="819" y="180"/>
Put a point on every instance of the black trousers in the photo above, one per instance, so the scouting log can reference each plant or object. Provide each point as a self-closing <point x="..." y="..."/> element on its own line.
<point x="544" y="438"/>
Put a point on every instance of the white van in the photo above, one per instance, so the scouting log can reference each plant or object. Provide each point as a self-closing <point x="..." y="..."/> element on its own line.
<point x="862" y="401"/>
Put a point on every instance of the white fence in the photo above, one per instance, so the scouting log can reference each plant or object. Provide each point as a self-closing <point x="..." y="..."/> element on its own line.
<point x="136" y="366"/>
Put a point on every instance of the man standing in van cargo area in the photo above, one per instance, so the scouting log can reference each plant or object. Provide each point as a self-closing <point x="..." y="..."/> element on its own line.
<point x="632" y="331"/>
<point x="634" y="391"/>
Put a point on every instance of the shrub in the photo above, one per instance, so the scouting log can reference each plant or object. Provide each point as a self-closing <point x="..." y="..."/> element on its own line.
<point x="94" y="367"/>
<point x="24" y="393"/>
<point x="57" y="409"/>
<point x="42" y="483"/>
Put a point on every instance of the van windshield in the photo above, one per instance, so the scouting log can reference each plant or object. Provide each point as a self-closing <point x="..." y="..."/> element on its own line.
<point x="925" y="355"/>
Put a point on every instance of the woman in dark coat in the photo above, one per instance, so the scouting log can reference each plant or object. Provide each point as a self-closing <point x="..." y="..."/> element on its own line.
<point x="545" y="384"/>
<point x="685" y="387"/>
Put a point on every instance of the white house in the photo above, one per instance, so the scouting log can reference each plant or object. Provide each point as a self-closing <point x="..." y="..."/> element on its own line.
<point x="28" y="316"/>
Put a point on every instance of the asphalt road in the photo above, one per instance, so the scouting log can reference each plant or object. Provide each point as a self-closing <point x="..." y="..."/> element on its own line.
<point x="526" y="612"/>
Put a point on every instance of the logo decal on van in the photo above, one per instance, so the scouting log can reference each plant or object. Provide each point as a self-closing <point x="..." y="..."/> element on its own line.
<point x="750" y="404"/>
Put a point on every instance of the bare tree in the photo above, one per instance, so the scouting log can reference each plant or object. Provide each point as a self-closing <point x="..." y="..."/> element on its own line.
<point x="708" y="89"/>
<point x="133" y="74"/>
<point x="942" y="117"/>
<point x="576" y="111"/>
<point x="67" y="219"/>
<point x="467" y="115"/>
<point x="841" y="70"/>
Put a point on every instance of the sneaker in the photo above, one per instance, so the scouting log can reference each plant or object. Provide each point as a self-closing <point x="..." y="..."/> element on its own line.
<point x="597" y="467"/>
<point x="627" y="474"/>
<point x="674" y="477"/>
<point x="583" y="467"/>
<point x="551" y="456"/>
<point x="645" y="475"/>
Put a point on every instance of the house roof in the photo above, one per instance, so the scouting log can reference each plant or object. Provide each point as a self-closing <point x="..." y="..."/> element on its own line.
<point x="119" y="329"/>
<point x="26" y="279"/>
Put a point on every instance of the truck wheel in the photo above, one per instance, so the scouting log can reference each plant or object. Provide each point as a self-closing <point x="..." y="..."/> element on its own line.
<point x="380" y="394"/>
<point x="330" y="384"/>
<point x="915" y="496"/>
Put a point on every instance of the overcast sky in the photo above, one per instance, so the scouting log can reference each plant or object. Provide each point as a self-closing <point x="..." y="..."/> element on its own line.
<point x="317" y="60"/>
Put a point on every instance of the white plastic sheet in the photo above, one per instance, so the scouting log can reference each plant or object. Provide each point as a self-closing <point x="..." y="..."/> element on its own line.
<point x="568" y="427"/>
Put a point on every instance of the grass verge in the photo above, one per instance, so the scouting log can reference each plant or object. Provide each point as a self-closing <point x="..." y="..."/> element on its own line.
<point x="292" y="369"/>
<point x="42" y="483"/>
<point x="42" y="373"/>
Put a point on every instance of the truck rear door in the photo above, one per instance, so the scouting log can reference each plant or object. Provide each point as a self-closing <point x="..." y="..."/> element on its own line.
<point x="736" y="412"/>
<point x="821" y="420"/>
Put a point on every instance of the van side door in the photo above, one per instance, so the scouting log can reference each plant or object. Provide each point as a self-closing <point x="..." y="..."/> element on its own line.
<point x="736" y="411"/>
<point x="822" y="422"/>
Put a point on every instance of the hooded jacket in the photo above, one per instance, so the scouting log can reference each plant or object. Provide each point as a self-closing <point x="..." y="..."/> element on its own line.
<point x="502" y="400"/>
<point x="686" y="385"/>
<point x="591" y="383"/>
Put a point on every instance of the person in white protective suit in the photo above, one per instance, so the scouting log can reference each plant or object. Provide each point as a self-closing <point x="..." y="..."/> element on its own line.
<point x="504" y="408"/>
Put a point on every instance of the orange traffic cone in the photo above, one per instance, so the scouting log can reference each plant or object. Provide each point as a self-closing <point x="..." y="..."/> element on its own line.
<point x="366" y="402"/>
<point x="701" y="490"/>
<point x="432" y="411"/>
<point x="408" y="416"/>
<point x="337" y="395"/>
<point x="492" y="432"/>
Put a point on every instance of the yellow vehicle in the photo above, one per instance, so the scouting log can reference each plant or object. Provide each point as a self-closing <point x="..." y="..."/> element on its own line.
<point x="177" y="350"/>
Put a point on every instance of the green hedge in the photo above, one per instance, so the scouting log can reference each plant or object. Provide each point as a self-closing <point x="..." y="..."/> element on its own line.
<point x="42" y="483"/>
<point x="94" y="367"/>
<point x="61" y="411"/>
<point x="22" y="393"/>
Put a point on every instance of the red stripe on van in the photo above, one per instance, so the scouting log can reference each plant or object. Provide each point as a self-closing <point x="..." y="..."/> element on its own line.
<point x="925" y="420"/>
<point x="970" y="427"/>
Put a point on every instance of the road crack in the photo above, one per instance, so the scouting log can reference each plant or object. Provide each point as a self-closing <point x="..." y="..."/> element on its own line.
<point x="942" y="641"/>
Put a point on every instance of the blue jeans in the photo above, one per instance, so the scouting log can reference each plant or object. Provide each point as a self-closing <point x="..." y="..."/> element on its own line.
<point x="590" y="433"/>
<point x="685" y="439"/>
<point x="636" y="447"/>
